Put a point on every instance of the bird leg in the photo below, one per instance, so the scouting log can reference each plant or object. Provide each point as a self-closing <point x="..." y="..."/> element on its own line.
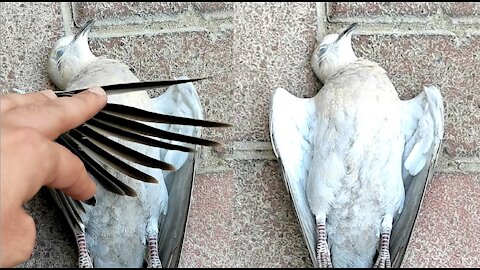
<point x="323" y="252"/>
<point x="84" y="259"/>
<point x="153" y="257"/>
<point x="383" y="260"/>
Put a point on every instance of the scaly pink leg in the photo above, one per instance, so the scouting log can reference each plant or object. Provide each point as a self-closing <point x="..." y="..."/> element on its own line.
<point x="153" y="257"/>
<point x="84" y="260"/>
<point x="323" y="252"/>
<point x="383" y="260"/>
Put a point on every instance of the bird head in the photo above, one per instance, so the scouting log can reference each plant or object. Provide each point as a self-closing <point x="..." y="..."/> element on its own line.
<point x="333" y="52"/>
<point x="69" y="55"/>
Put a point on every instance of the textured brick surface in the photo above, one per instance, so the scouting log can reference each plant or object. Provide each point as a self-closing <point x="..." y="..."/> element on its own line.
<point x="462" y="9"/>
<point x="55" y="244"/>
<point x="274" y="42"/>
<point x="374" y="10"/>
<point x="209" y="234"/>
<point x="447" y="232"/>
<point x="27" y="29"/>
<point x="449" y="62"/>
<point x="83" y="11"/>
<point x="267" y="233"/>
<point x="208" y="7"/>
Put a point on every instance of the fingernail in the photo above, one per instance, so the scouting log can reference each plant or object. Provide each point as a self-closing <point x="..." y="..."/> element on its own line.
<point x="97" y="90"/>
<point x="92" y="201"/>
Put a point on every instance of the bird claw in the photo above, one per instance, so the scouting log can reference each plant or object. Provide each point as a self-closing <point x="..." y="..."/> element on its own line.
<point x="84" y="261"/>
<point x="323" y="257"/>
<point x="383" y="260"/>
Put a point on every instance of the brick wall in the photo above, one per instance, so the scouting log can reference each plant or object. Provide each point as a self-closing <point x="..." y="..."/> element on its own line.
<point x="241" y="214"/>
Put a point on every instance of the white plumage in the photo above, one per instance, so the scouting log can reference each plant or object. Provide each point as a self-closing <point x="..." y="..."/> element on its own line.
<point x="349" y="154"/>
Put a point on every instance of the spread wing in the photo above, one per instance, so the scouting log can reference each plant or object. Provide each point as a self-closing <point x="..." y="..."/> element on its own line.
<point x="92" y="143"/>
<point x="423" y="124"/>
<point x="291" y="123"/>
<point x="179" y="100"/>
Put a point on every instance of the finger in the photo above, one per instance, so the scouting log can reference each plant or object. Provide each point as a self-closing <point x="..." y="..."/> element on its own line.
<point x="14" y="100"/>
<point x="66" y="172"/>
<point x="61" y="114"/>
<point x="17" y="245"/>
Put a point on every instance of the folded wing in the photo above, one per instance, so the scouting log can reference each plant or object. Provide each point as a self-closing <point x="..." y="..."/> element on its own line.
<point x="292" y="123"/>
<point x="423" y="125"/>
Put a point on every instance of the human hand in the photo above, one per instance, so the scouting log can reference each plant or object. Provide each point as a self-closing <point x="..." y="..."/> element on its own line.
<point x="31" y="159"/>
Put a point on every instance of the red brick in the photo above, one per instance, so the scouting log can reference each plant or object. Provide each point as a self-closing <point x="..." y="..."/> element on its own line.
<point x="342" y="10"/>
<point x="449" y="62"/>
<point x="446" y="234"/>
<point x="274" y="42"/>
<point x="462" y="9"/>
<point x="29" y="31"/>
<point x="339" y="10"/>
<point x="84" y="11"/>
<point x="207" y="7"/>
<point x="209" y="234"/>
<point x="267" y="232"/>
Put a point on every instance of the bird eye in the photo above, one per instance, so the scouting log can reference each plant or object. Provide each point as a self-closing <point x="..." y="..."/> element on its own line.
<point x="59" y="53"/>
<point x="322" y="51"/>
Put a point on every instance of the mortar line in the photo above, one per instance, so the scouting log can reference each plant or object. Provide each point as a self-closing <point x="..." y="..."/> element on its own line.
<point x="112" y="33"/>
<point x="387" y="30"/>
<point x="163" y="19"/>
<point x="321" y="14"/>
<point x="262" y="151"/>
<point x="404" y="29"/>
<point x="191" y="20"/>
<point x="404" y="20"/>
<point x="67" y="16"/>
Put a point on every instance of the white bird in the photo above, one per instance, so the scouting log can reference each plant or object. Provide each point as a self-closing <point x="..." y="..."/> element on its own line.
<point x="354" y="156"/>
<point x="121" y="231"/>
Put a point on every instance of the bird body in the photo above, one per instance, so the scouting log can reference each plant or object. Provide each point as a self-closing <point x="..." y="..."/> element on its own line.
<point x="356" y="181"/>
<point x="118" y="227"/>
<point x="122" y="231"/>
<point x="345" y="155"/>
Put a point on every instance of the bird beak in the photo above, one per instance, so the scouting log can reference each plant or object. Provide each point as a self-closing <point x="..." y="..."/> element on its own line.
<point x="86" y="28"/>
<point x="347" y="31"/>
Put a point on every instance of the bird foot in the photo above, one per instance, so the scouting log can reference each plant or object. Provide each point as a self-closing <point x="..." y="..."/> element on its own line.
<point x="84" y="259"/>
<point x="383" y="260"/>
<point x="323" y="252"/>
<point x="153" y="257"/>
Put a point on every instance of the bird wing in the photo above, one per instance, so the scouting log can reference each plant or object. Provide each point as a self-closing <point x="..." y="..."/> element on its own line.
<point x="423" y="125"/>
<point x="171" y="233"/>
<point x="291" y="123"/>
<point x="91" y="144"/>
<point x="179" y="100"/>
